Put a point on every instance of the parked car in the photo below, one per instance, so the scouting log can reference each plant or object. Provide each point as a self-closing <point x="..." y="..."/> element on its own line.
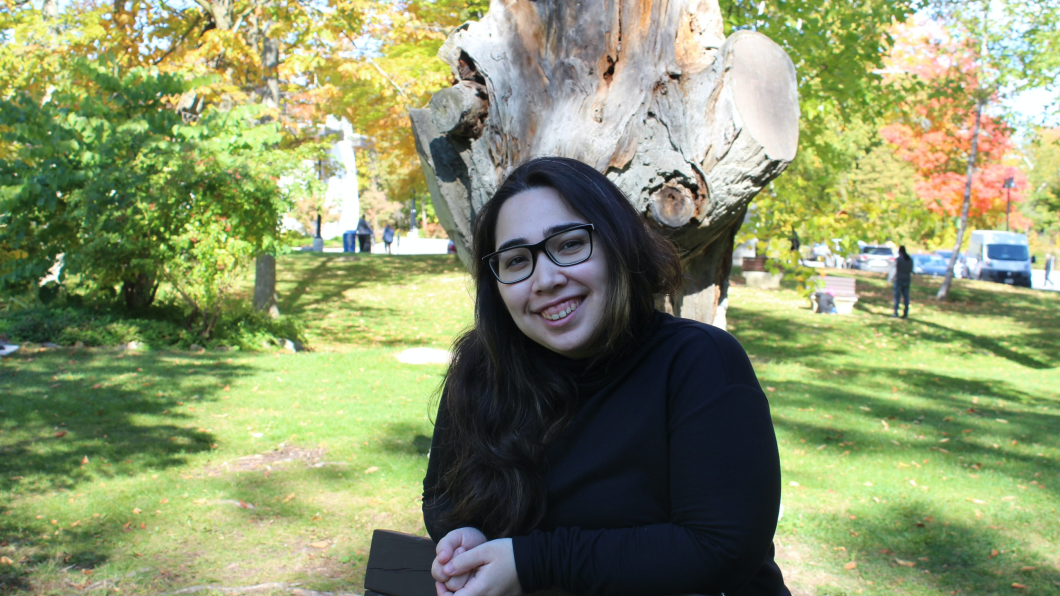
<point x="873" y="257"/>
<point x="959" y="267"/>
<point x="1001" y="257"/>
<point x="929" y="265"/>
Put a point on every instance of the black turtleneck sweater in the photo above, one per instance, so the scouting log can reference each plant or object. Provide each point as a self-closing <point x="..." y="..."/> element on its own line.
<point x="666" y="482"/>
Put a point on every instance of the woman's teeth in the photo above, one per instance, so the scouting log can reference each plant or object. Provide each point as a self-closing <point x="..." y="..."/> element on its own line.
<point x="561" y="311"/>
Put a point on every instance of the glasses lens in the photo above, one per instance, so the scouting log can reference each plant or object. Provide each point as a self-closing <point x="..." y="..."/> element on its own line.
<point x="512" y="265"/>
<point x="570" y="247"/>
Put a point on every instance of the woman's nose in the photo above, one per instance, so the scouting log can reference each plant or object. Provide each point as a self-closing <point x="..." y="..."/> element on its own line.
<point x="547" y="275"/>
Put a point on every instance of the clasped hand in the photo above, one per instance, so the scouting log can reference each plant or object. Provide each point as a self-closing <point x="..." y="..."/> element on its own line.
<point x="466" y="564"/>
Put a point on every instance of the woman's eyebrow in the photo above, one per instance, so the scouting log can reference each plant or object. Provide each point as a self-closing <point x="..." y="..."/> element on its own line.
<point x="547" y="232"/>
<point x="561" y="227"/>
<point x="512" y="242"/>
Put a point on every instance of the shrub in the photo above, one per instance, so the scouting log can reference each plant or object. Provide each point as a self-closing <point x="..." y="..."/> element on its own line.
<point x="158" y="327"/>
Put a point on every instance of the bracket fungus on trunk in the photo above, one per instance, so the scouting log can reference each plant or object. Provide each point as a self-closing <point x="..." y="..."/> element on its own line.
<point x="689" y="124"/>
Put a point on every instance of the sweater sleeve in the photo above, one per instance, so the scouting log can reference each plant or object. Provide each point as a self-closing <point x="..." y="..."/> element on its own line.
<point x="724" y="495"/>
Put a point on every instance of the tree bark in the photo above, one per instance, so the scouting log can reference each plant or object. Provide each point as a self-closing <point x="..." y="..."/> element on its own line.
<point x="138" y="292"/>
<point x="690" y="125"/>
<point x="944" y="289"/>
<point x="265" y="267"/>
<point x="265" y="285"/>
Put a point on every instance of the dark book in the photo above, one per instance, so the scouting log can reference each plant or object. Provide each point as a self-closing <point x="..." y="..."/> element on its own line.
<point x="399" y="565"/>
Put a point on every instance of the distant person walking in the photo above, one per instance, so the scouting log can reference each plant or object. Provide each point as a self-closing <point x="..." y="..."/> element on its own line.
<point x="902" y="277"/>
<point x="364" y="234"/>
<point x="1050" y="260"/>
<point x="388" y="237"/>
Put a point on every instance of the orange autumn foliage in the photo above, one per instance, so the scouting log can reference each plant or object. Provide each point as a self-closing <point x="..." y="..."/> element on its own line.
<point x="934" y="132"/>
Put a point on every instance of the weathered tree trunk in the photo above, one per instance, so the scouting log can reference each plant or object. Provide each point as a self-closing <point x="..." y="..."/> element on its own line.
<point x="944" y="289"/>
<point x="688" y="124"/>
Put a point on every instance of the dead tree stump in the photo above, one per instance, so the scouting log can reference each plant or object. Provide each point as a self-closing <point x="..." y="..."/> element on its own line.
<point x="690" y="125"/>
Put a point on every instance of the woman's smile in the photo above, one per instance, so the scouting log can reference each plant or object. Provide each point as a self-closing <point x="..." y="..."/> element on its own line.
<point x="561" y="311"/>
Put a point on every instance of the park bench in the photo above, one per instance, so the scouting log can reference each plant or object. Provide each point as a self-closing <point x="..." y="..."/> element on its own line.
<point x="843" y="291"/>
<point x="400" y="565"/>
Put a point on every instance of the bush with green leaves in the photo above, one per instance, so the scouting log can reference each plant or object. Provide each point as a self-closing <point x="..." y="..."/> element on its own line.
<point x="107" y="176"/>
<point x="239" y="326"/>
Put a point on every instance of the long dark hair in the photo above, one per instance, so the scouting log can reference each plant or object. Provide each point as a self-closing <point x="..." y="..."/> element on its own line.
<point x="506" y="397"/>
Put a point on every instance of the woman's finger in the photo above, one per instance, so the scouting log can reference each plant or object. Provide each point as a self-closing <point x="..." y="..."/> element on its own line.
<point x="437" y="573"/>
<point x="466" y="562"/>
<point x="441" y="589"/>
<point x="457" y="582"/>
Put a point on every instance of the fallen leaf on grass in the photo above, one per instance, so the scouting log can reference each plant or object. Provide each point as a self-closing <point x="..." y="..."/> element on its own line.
<point x="137" y="511"/>
<point x="288" y="498"/>
<point x="371" y="470"/>
<point x="6" y="561"/>
<point x="770" y="389"/>
<point x="1008" y="498"/>
<point x="850" y="565"/>
<point x="1028" y="568"/>
<point x="993" y="553"/>
<point x="1019" y="586"/>
<point x="320" y="544"/>
<point x="60" y="434"/>
<point x="84" y="461"/>
<point x="246" y="505"/>
<point x="905" y="563"/>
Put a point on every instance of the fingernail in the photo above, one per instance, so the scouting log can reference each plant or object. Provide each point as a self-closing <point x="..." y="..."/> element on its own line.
<point x="448" y="569"/>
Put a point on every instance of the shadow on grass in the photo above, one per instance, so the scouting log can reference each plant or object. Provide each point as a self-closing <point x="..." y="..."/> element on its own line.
<point x="403" y="437"/>
<point x="315" y="285"/>
<point x="61" y="429"/>
<point x="914" y="543"/>
<point x="1034" y="343"/>
<point x="974" y="438"/>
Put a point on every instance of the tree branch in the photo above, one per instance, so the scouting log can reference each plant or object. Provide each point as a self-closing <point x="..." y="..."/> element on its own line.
<point x="179" y="42"/>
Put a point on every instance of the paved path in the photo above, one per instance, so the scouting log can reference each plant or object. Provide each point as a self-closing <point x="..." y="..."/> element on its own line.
<point x="1038" y="280"/>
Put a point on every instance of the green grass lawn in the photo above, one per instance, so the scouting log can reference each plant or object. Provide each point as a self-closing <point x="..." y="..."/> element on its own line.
<point x="919" y="456"/>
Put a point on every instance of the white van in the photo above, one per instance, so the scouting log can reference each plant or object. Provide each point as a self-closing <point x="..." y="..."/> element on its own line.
<point x="1002" y="257"/>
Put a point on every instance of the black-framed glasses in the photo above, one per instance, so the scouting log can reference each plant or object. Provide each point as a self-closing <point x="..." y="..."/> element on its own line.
<point x="568" y="247"/>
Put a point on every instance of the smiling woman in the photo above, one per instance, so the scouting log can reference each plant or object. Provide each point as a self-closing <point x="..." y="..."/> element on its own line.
<point x="584" y="441"/>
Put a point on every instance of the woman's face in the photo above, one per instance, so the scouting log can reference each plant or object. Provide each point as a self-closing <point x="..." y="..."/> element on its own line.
<point x="539" y="305"/>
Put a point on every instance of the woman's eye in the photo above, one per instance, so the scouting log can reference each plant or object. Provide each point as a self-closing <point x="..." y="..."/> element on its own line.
<point x="571" y="245"/>
<point x="515" y="262"/>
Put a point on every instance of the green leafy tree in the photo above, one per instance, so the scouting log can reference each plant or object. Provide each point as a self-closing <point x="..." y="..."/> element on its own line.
<point x="838" y="49"/>
<point x="1010" y="42"/>
<point x="1042" y="151"/>
<point x="108" y="175"/>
